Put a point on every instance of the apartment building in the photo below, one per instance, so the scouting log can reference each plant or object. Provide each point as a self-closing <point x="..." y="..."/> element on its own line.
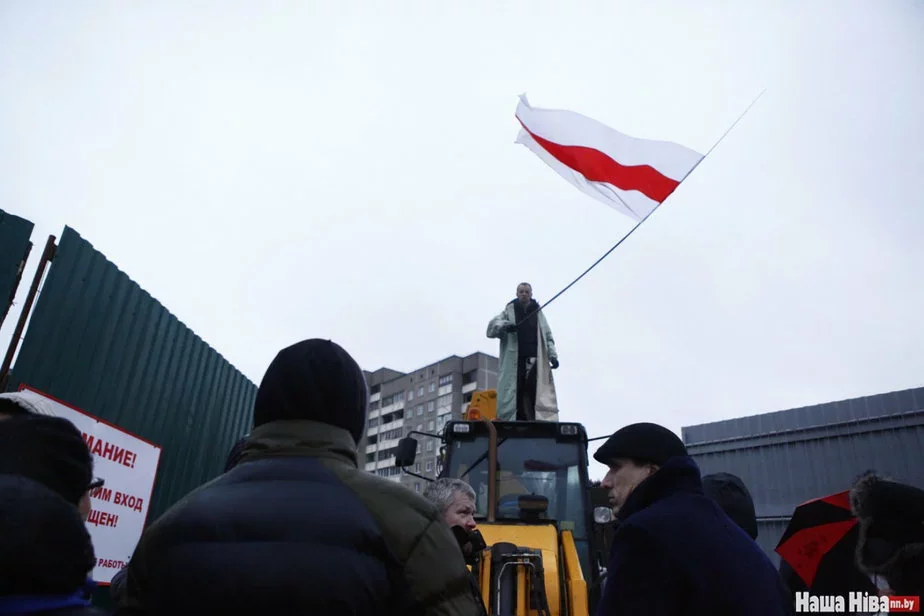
<point x="425" y="400"/>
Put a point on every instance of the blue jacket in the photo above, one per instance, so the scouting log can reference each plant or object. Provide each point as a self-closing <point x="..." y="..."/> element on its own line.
<point x="297" y="528"/>
<point x="675" y="552"/>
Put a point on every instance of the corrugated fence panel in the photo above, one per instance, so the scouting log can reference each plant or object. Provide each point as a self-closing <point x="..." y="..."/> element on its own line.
<point x="14" y="243"/>
<point x="100" y="342"/>
<point x="788" y="457"/>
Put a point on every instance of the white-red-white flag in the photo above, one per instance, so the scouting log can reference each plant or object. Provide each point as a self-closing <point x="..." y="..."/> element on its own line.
<point x="632" y="175"/>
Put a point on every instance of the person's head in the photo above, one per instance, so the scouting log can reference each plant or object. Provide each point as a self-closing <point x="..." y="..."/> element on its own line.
<point x="45" y="544"/>
<point x="633" y="454"/>
<point x="455" y="499"/>
<point x="51" y="451"/>
<point x="14" y="404"/>
<point x="314" y="380"/>
<point x="731" y="495"/>
<point x="524" y="292"/>
<point x="890" y="541"/>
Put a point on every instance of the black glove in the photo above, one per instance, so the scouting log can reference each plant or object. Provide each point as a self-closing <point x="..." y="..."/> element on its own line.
<point x="510" y="327"/>
<point x="554" y="363"/>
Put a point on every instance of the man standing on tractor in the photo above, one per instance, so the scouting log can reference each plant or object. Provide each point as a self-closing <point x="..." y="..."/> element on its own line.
<point x="525" y="388"/>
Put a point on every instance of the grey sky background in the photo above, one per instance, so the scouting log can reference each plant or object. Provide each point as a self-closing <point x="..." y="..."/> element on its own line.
<point x="273" y="171"/>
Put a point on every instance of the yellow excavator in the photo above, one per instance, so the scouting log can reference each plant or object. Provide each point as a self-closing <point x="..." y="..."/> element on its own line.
<point x="533" y="509"/>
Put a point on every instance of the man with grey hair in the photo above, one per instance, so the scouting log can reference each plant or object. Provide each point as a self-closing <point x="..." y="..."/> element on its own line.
<point x="455" y="500"/>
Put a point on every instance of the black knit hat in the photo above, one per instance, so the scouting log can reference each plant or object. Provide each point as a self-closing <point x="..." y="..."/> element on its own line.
<point x="49" y="450"/>
<point x="315" y="380"/>
<point x="641" y="442"/>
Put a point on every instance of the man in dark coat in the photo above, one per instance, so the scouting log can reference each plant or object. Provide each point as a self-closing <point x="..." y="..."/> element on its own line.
<point x="295" y="527"/>
<point x="45" y="552"/>
<point x="674" y="551"/>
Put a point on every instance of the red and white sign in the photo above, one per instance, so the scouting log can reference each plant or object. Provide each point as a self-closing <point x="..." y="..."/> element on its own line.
<point x="128" y="465"/>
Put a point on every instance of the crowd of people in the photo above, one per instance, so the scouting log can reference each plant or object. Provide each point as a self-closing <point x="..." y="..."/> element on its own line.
<point x="294" y="526"/>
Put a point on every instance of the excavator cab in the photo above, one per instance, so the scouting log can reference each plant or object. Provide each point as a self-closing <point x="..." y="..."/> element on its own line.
<point x="533" y="509"/>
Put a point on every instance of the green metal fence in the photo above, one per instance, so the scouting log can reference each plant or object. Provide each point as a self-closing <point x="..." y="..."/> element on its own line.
<point x="14" y="250"/>
<point x="98" y="341"/>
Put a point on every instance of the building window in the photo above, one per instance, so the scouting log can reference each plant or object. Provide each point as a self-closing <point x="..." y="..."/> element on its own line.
<point x="470" y="377"/>
<point x="410" y="395"/>
<point x="444" y="401"/>
<point x="417" y="467"/>
<point x="420" y="391"/>
<point x="430" y="406"/>
<point x="420" y="410"/>
<point x="429" y="446"/>
<point x="446" y="380"/>
<point x="417" y="486"/>
<point x="432" y="386"/>
<point x="418" y="447"/>
<point x="431" y="425"/>
<point x="429" y="467"/>
<point x="420" y="427"/>
<point x="409" y="414"/>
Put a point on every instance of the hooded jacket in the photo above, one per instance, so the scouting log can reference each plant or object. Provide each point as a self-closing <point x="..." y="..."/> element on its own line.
<point x="676" y="552"/>
<point x="730" y="493"/>
<point x="295" y="527"/>
<point x="45" y="552"/>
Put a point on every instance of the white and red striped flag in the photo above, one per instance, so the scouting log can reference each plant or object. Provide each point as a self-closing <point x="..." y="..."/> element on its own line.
<point x="632" y="175"/>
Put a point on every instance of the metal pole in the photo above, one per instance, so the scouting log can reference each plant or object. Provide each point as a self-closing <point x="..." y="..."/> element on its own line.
<point x="47" y="256"/>
<point x="492" y="470"/>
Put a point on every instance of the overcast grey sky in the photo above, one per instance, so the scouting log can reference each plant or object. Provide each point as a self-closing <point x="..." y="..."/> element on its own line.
<point x="273" y="171"/>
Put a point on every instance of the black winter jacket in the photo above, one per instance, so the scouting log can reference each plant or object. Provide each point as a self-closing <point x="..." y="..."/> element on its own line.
<point x="297" y="528"/>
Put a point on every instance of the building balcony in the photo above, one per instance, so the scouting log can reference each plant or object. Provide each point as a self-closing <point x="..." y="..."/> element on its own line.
<point x="445" y="389"/>
<point x="469" y="387"/>
<point x="398" y="423"/>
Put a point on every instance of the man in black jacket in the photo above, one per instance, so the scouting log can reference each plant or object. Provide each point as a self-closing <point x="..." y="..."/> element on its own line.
<point x="675" y="552"/>
<point x="295" y="527"/>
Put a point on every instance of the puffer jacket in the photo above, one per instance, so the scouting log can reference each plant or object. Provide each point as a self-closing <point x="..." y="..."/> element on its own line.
<point x="296" y="528"/>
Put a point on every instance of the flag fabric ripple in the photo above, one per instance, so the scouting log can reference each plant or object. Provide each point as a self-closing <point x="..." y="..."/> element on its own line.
<point x="633" y="176"/>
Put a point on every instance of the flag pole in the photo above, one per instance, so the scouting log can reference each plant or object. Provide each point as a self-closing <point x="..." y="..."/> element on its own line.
<point x="639" y="223"/>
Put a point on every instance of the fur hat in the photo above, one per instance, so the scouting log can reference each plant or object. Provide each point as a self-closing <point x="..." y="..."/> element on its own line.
<point x="891" y="535"/>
